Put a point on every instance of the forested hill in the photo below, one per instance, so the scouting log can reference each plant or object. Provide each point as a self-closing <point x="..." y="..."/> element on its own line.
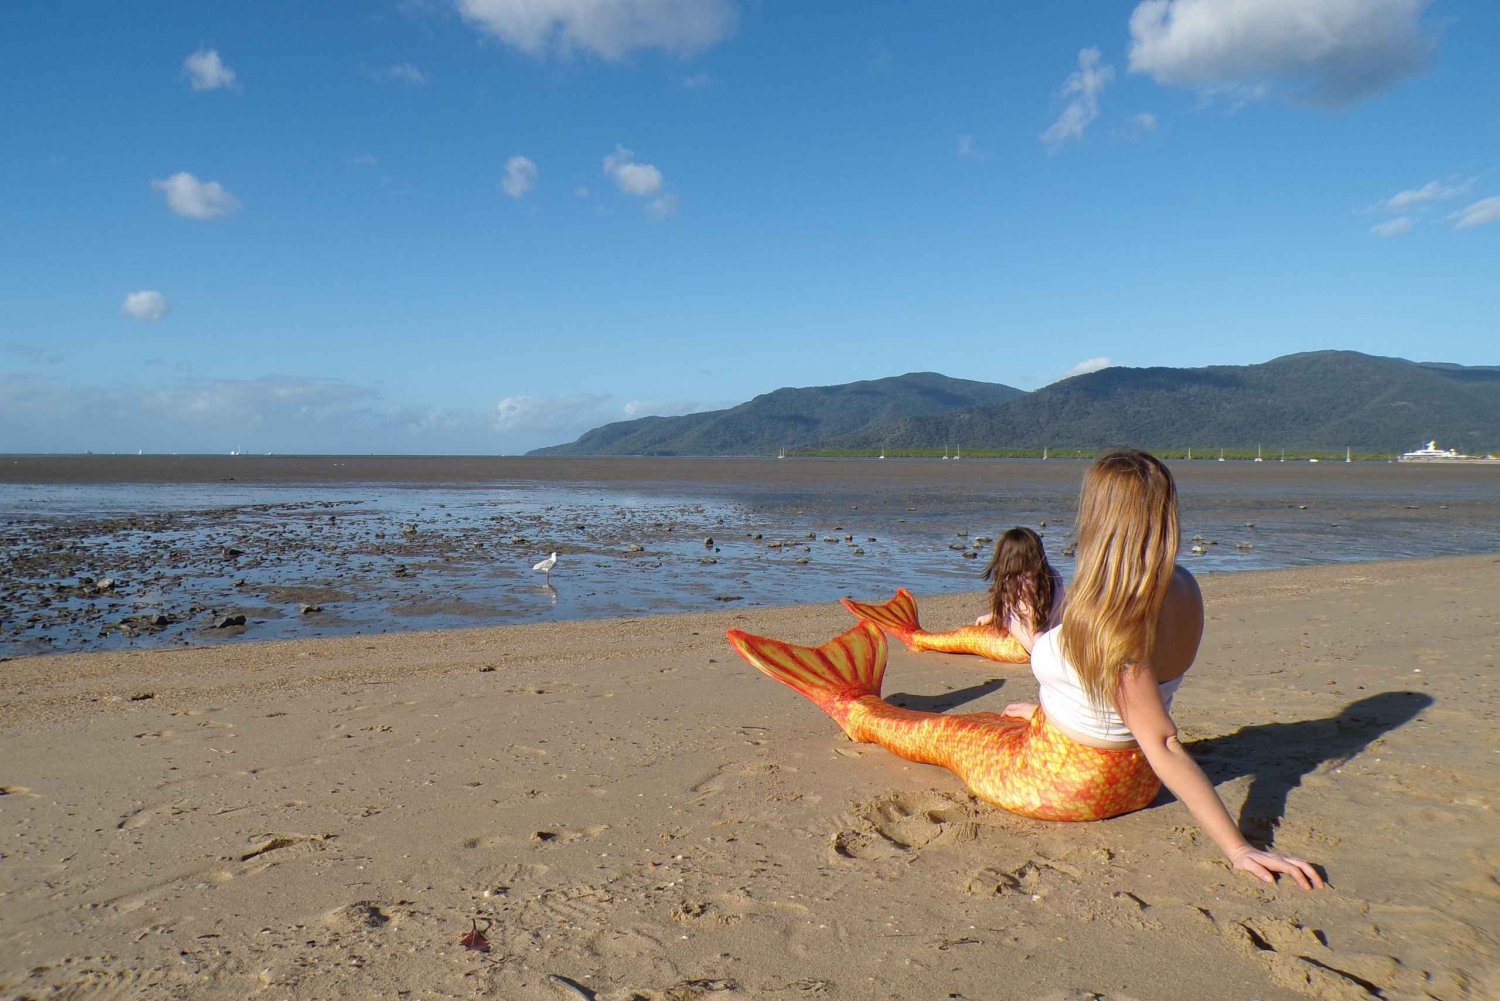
<point x="1316" y="400"/>
<point x="788" y="418"/>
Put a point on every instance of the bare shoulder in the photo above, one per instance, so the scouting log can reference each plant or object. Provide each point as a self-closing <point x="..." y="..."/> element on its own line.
<point x="1184" y="588"/>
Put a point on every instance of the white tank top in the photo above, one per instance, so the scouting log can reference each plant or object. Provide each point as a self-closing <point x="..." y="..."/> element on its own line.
<point x="1067" y="704"/>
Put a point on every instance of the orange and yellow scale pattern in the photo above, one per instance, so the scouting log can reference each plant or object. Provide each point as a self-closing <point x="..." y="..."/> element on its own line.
<point x="1026" y="766"/>
<point x="899" y="618"/>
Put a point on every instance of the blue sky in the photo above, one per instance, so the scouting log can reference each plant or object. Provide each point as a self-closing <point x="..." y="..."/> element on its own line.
<point x="488" y="225"/>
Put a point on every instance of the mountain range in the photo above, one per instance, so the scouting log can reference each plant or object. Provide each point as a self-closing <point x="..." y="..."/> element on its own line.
<point x="1314" y="400"/>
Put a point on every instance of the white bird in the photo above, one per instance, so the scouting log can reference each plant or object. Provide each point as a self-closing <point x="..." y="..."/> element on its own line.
<point x="547" y="565"/>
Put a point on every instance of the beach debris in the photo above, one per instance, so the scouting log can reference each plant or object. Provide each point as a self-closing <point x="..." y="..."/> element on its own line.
<point x="635" y="548"/>
<point x="228" y="621"/>
<point x="708" y="543"/>
<point x="105" y="584"/>
<point x="969" y="554"/>
<point x="963" y="533"/>
<point x="729" y="597"/>
<point x="546" y="566"/>
<point x="571" y="987"/>
<point x="409" y="528"/>
<point x="856" y="551"/>
<point x="1198" y="550"/>
<point x="1249" y="524"/>
<point x="475" y="938"/>
<point x="229" y="552"/>
<point x="707" y="561"/>
<point x="1069" y="550"/>
<point x="306" y="609"/>
<point x="830" y="538"/>
<point x="1244" y="547"/>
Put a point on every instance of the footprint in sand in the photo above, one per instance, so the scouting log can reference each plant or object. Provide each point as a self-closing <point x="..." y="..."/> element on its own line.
<point x="1300" y="959"/>
<point x="897" y="823"/>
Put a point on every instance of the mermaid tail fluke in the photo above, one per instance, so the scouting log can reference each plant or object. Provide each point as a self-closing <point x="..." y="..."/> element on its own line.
<point x="899" y="618"/>
<point x="832" y="676"/>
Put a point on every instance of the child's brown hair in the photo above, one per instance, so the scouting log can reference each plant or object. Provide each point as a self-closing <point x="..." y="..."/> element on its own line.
<point x="1024" y="583"/>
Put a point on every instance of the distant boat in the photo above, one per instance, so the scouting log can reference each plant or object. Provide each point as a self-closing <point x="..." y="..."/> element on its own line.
<point x="781" y="454"/>
<point x="1431" y="452"/>
<point x="1283" y="456"/>
<point x="1190" y="455"/>
<point x="1044" y="453"/>
<point x="1257" y="454"/>
<point x="960" y="453"/>
<point x="1221" y="455"/>
<point x="1348" y="456"/>
<point x="1314" y="460"/>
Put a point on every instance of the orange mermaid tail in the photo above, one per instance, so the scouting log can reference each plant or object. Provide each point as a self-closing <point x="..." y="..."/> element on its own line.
<point x="899" y="618"/>
<point x="1025" y="766"/>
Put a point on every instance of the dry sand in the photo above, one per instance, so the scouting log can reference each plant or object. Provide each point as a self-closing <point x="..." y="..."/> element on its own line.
<point x="628" y="806"/>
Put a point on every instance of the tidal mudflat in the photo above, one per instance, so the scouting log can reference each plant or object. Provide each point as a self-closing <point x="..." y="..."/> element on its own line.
<point x="110" y="552"/>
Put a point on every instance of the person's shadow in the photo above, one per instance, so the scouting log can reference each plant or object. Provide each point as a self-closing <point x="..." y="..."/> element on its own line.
<point x="1277" y="755"/>
<point x="946" y="700"/>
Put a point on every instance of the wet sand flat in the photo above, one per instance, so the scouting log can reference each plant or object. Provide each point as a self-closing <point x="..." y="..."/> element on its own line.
<point x="626" y="806"/>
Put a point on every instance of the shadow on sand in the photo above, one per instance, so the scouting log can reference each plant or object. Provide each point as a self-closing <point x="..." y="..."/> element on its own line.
<point x="946" y="700"/>
<point x="1276" y="756"/>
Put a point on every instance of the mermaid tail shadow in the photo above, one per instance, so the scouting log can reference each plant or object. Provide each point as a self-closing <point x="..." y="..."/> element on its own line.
<point x="899" y="618"/>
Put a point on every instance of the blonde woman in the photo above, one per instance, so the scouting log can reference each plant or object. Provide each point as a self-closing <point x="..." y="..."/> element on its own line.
<point x="1101" y="742"/>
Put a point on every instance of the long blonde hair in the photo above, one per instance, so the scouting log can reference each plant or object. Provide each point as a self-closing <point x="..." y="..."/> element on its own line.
<point x="1127" y="540"/>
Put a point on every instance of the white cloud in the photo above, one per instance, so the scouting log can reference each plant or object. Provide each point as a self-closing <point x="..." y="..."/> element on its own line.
<point x="1432" y="191"/>
<point x="363" y="160"/>
<point x="967" y="149"/>
<point x="1399" y="226"/>
<point x="696" y="81"/>
<point x="403" y="73"/>
<point x="664" y="207"/>
<point x="1089" y="365"/>
<point x="632" y="178"/>
<point x="204" y="200"/>
<point x="1325" y="51"/>
<point x="1144" y="122"/>
<point x="1083" y="87"/>
<point x="206" y="71"/>
<point x="664" y="408"/>
<point x="145" y="305"/>
<point x="520" y="176"/>
<point x="608" y="28"/>
<point x="1481" y="213"/>
<point x="582" y="191"/>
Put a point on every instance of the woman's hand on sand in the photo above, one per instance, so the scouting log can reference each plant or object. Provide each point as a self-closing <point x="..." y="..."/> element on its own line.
<point x="985" y="619"/>
<point x="1020" y="710"/>
<point x="1264" y="865"/>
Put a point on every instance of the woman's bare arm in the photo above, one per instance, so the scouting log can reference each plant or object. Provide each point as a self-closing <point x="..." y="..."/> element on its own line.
<point x="1141" y="708"/>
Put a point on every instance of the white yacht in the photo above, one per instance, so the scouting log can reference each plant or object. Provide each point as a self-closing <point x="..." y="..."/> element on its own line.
<point x="1430" y="452"/>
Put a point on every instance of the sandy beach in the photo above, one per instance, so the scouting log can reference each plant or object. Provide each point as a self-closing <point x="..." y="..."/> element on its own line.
<point x="630" y="812"/>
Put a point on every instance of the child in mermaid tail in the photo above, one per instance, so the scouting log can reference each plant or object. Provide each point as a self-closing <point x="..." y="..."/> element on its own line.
<point x="1025" y="601"/>
<point x="1025" y="591"/>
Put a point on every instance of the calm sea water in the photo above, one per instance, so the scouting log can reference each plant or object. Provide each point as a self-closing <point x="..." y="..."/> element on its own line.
<point x="420" y="551"/>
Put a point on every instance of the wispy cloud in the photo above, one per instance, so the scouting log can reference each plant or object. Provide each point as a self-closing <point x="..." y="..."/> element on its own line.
<point x="1334" y="52"/>
<point x="1432" y="191"/>
<point x="1481" y="213"/>
<point x="520" y="177"/>
<point x="608" y="28"/>
<point x="967" y="150"/>
<point x="1082" y="88"/>
<point x="206" y="71"/>
<point x="1089" y="365"/>
<point x="194" y="199"/>
<point x="407" y="73"/>
<point x="664" y="207"/>
<point x="1399" y="226"/>
<point x="147" y="305"/>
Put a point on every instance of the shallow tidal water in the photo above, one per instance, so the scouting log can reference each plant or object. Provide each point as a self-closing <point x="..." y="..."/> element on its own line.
<point x="117" y="552"/>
